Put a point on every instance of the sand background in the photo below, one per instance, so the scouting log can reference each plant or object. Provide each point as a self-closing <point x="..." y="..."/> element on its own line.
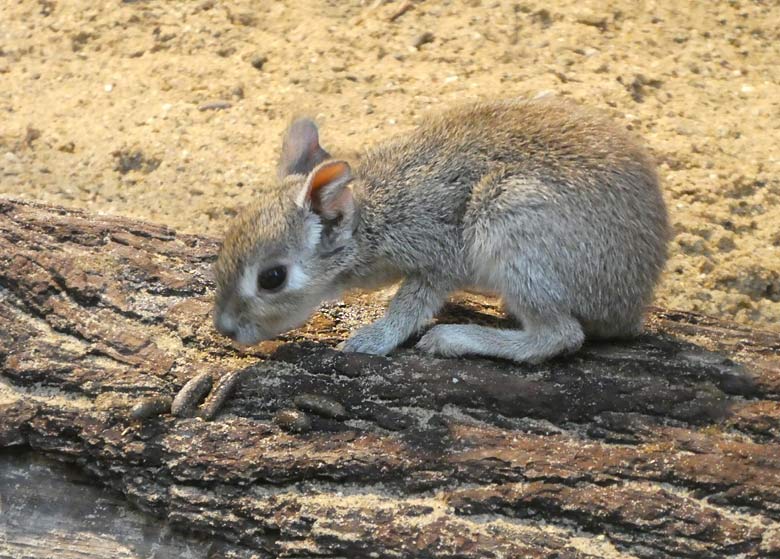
<point x="172" y="111"/>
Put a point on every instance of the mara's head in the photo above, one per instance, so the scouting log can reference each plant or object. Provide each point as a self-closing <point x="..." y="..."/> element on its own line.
<point x="283" y="255"/>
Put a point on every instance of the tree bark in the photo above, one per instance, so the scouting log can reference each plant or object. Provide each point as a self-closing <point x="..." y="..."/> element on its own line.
<point x="665" y="446"/>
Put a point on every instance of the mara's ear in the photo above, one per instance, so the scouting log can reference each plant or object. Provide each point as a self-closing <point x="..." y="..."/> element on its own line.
<point x="327" y="191"/>
<point x="301" y="150"/>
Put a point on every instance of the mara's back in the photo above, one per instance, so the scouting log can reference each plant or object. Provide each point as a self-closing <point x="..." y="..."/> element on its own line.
<point x="554" y="141"/>
<point x="567" y="171"/>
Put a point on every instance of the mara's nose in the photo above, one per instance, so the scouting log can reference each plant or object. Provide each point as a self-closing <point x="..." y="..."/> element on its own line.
<point x="225" y="327"/>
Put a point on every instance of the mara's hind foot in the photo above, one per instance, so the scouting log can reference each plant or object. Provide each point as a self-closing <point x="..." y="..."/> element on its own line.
<point x="540" y="340"/>
<point x="623" y="328"/>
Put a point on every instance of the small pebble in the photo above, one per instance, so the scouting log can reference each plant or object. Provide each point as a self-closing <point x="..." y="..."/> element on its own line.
<point x="321" y="405"/>
<point x="258" y="62"/>
<point x="191" y="394"/>
<point x="150" y="407"/>
<point x="423" y="39"/>
<point x="215" y="106"/>
<point x="594" y="20"/>
<point x="244" y="18"/>
<point x="294" y="421"/>
<point x="223" y="389"/>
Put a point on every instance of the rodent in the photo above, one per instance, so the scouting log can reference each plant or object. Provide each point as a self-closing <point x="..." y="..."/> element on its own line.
<point x="546" y="203"/>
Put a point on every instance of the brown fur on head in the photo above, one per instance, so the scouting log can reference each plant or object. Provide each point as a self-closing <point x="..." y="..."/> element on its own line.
<point x="280" y="258"/>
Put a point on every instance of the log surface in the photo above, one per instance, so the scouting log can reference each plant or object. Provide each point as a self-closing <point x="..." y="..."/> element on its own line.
<point x="52" y="510"/>
<point x="666" y="446"/>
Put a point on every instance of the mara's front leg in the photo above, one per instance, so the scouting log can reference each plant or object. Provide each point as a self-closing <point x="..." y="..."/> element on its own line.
<point x="413" y="305"/>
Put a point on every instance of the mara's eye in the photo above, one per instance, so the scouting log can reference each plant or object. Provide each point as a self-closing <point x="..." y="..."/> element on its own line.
<point x="272" y="278"/>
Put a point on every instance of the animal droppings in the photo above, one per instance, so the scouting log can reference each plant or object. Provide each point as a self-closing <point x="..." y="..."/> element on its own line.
<point x="223" y="389"/>
<point x="191" y="394"/>
<point x="321" y="405"/>
<point x="293" y="421"/>
<point x="150" y="407"/>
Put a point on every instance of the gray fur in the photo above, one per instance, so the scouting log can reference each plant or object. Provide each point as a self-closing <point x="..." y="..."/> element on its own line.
<point x="547" y="204"/>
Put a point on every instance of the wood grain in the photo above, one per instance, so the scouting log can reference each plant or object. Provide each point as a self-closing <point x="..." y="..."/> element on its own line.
<point x="666" y="446"/>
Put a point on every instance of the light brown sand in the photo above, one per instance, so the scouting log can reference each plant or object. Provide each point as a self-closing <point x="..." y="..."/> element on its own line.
<point x="89" y="87"/>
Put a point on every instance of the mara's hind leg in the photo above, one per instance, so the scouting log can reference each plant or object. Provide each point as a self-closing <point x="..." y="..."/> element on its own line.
<point x="543" y="336"/>
<point x="518" y="248"/>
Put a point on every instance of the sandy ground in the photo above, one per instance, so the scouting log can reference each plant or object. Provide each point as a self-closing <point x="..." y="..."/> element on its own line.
<point x="172" y="110"/>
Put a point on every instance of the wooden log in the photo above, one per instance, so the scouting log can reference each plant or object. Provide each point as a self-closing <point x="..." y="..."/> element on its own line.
<point x="51" y="510"/>
<point x="666" y="446"/>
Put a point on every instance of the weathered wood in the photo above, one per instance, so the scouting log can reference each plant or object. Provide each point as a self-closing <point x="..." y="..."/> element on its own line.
<point x="49" y="510"/>
<point x="666" y="446"/>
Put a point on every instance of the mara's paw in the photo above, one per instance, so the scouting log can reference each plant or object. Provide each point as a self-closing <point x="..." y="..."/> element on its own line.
<point x="446" y="340"/>
<point x="373" y="339"/>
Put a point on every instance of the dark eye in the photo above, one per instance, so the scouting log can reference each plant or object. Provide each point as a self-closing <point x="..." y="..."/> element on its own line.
<point x="272" y="278"/>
